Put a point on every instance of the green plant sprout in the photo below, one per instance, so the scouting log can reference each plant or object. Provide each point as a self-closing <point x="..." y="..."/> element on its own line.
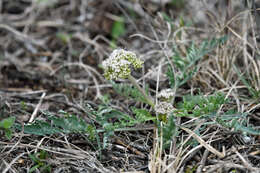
<point x="40" y="162"/>
<point x="6" y="125"/>
<point x="118" y="30"/>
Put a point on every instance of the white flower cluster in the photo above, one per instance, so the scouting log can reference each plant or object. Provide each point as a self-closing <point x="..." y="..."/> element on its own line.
<point x="166" y="94"/>
<point x="119" y="64"/>
<point x="163" y="108"/>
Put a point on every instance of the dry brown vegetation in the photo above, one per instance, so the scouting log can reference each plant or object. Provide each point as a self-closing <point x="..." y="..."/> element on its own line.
<point x="50" y="56"/>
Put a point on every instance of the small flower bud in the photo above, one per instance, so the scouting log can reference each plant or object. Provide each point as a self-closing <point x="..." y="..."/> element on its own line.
<point x="166" y="95"/>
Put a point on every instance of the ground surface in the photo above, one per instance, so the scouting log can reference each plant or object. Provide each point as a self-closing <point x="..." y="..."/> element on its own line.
<point x="50" y="56"/>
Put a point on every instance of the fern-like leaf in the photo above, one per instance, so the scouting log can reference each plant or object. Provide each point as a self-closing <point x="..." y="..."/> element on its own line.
<point x="237" y="122"/>
<point x="55" y="125"/>
<point x="197" y="106"/>
<point x="129" y="91"/>
<point x="186" y="66"/>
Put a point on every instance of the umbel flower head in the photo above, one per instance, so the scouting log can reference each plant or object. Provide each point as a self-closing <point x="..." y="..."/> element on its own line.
<point x="163" y="108"/>
<point x="119" y="64"/>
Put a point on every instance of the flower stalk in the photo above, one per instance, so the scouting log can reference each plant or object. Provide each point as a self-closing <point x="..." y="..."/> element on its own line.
<point x="147" y="98"/>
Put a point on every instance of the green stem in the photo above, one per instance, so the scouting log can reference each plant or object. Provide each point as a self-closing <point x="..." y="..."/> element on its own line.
<point x="147" y="98"/>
